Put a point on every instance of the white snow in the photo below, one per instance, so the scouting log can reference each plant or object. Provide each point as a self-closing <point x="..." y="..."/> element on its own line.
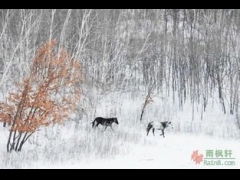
<point x="173" y="152"/>
<point x="127" y="147"/>
<point x="146" y="152"/>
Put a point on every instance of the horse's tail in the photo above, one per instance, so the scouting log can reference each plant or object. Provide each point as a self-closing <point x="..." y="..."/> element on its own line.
<point x="150" y="125"/>
<point x="93" y="124"/>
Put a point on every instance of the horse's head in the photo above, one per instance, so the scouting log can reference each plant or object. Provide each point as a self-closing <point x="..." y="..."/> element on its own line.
<point x="169" y="124"/>
<point x="116" y="120"/>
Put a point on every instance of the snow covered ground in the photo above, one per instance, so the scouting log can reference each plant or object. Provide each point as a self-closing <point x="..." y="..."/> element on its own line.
<point x="78" y="146"/>
<point x="172" y="152"/>
<point x="120" y="149"/>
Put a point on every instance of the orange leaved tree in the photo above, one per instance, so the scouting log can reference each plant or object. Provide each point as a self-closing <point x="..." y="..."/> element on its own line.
<point x="48" y="95"/>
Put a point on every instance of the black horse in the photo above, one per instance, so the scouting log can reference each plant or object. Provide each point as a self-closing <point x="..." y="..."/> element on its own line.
<point x="104" y="122"/>
<point x="158" y="126"/>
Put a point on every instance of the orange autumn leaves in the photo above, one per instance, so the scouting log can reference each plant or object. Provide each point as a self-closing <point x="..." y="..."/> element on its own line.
<point x="48" y="95"/>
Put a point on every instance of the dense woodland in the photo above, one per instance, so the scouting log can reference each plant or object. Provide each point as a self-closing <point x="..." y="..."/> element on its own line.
<point x="185" y="53"/>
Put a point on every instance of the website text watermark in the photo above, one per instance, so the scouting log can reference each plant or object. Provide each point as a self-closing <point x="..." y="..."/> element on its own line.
<point x="214" y="158"/>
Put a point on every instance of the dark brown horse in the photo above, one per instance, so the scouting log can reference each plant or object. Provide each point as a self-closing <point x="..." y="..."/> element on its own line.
<point x="104" y="122"/>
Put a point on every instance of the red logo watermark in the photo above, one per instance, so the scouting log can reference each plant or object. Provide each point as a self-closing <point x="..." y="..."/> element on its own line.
<point x="197" y="157"/>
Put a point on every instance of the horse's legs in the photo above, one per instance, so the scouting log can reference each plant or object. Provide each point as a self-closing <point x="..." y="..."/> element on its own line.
<point x="148" y="129"/>
<point x="153" y="130"/>
<point x="111" y="127"/>
<point x="150" y="126"/>
<point x="163" y="133"/>
<point x="105" y="128"/>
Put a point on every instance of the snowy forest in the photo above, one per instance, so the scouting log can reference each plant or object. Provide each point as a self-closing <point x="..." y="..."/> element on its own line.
<point x="61" y="68"/>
